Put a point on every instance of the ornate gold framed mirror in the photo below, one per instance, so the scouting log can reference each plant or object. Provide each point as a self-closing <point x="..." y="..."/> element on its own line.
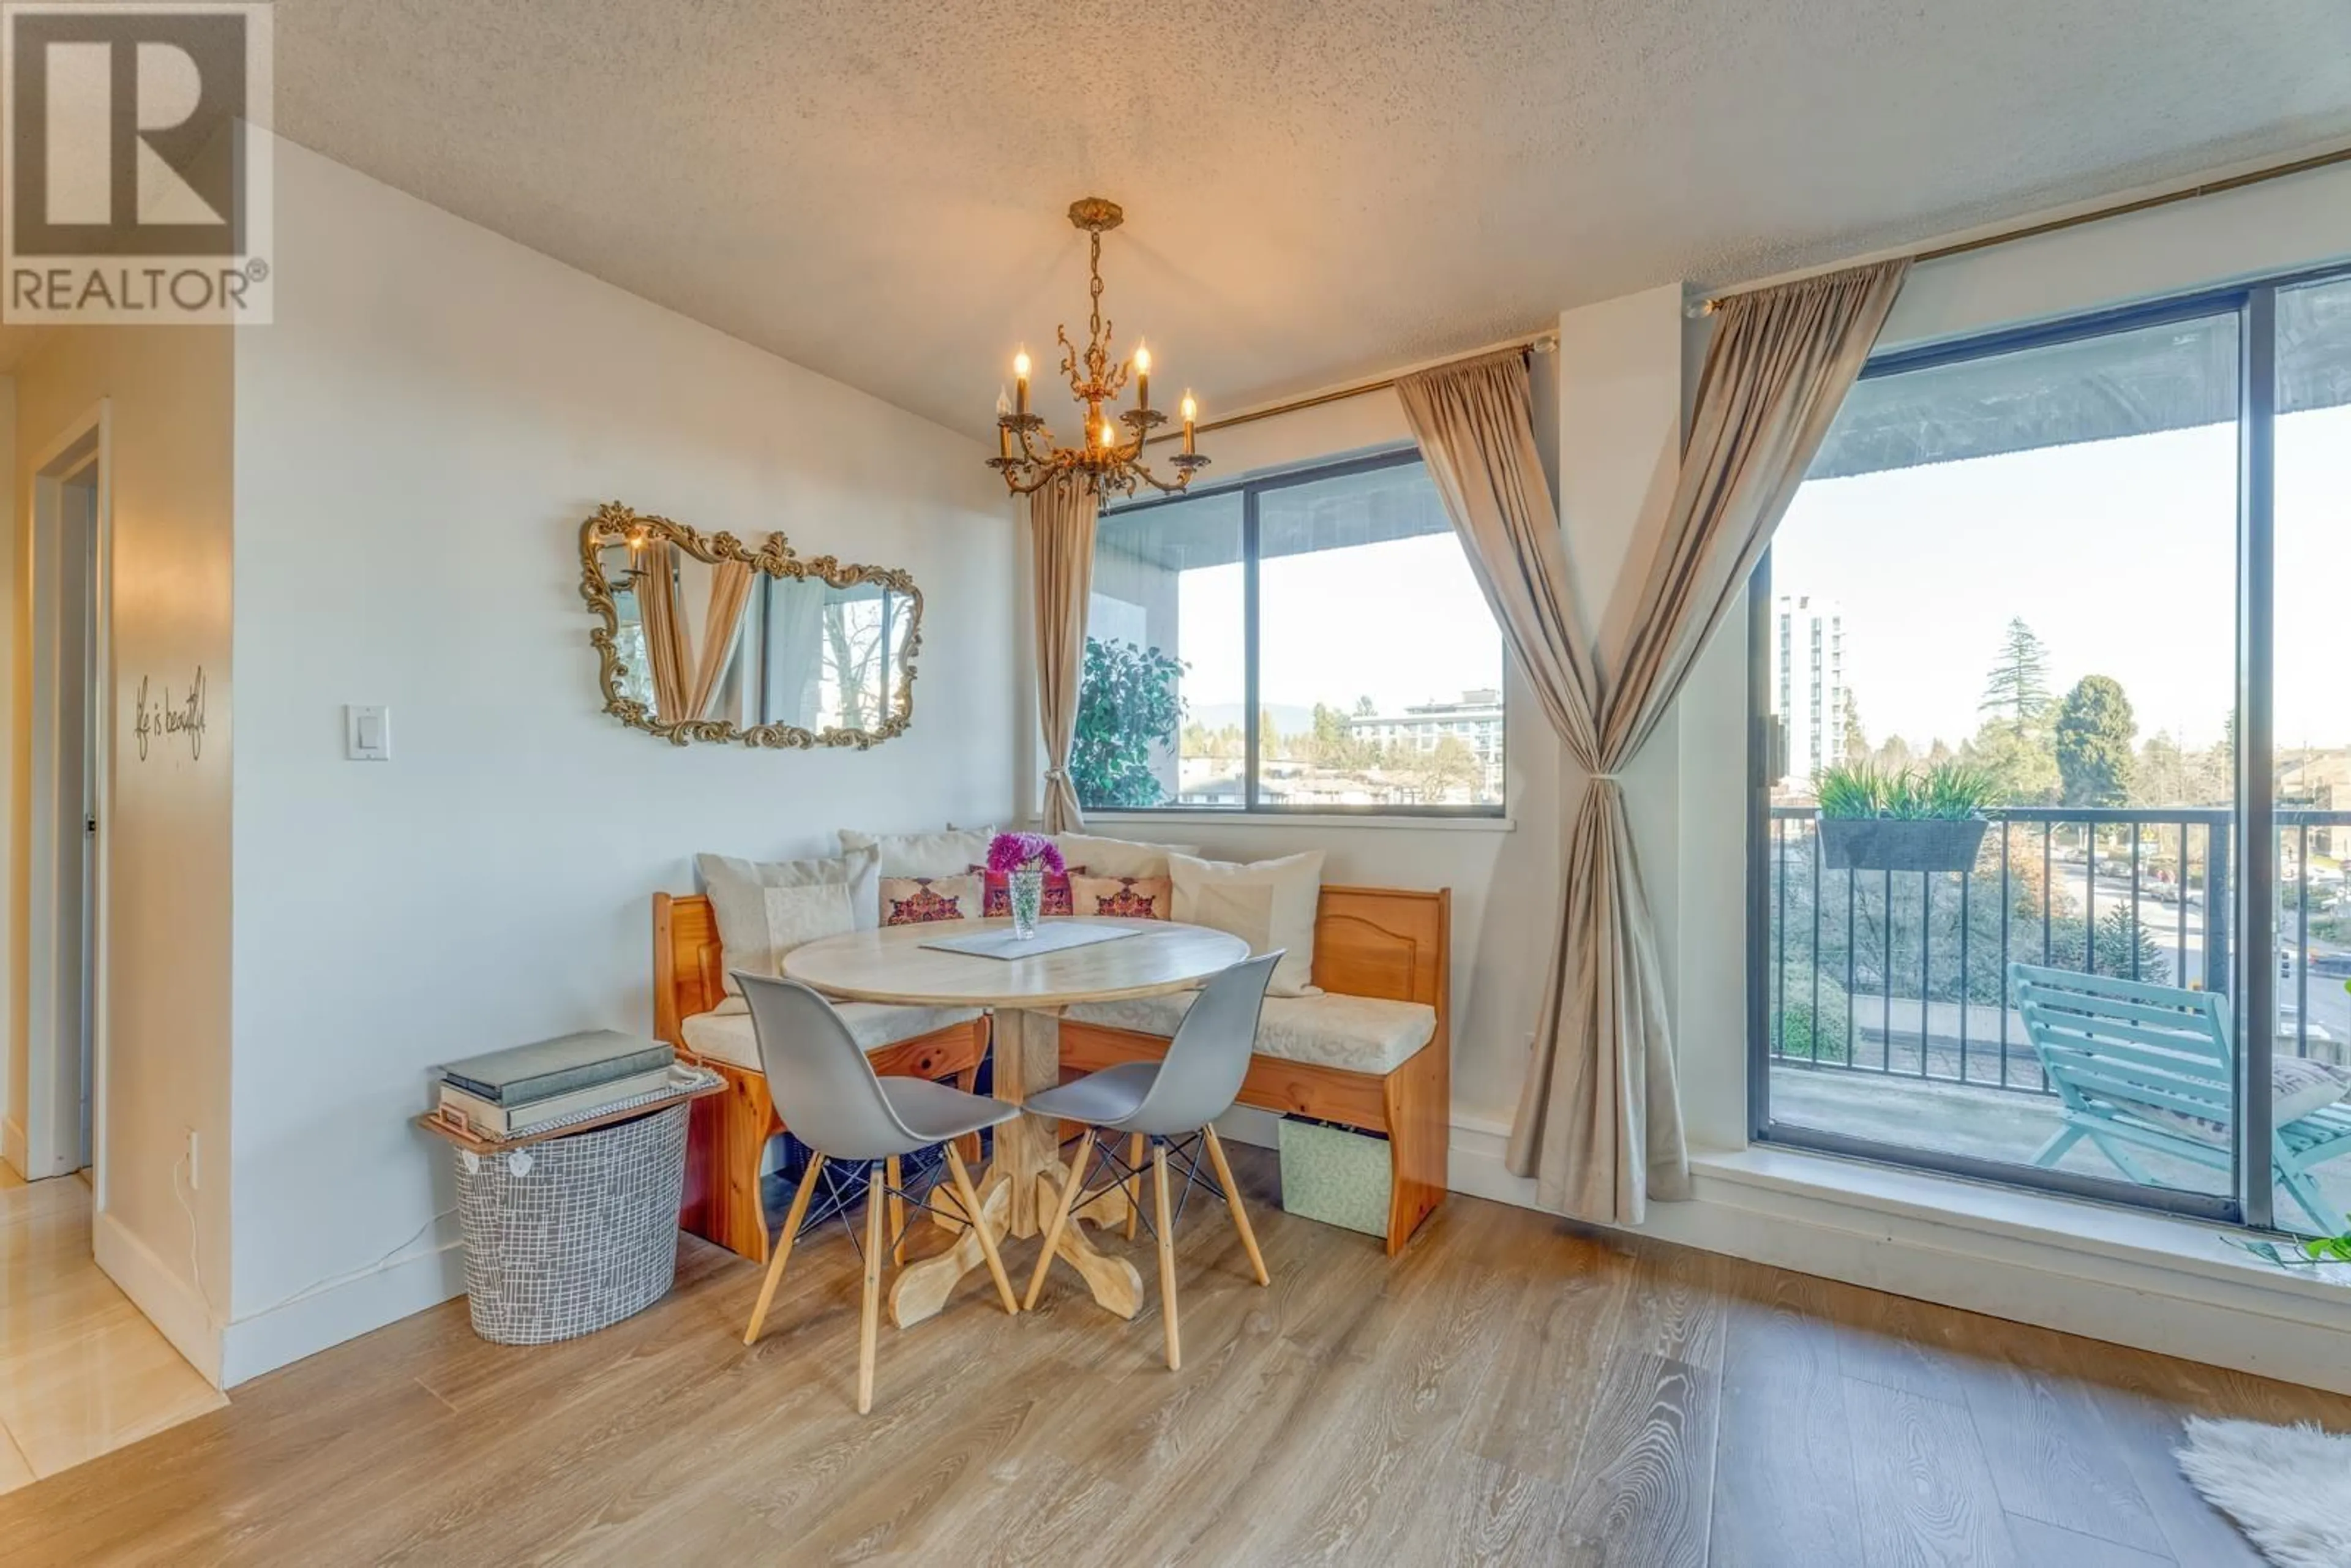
<point x="706" y="638"/>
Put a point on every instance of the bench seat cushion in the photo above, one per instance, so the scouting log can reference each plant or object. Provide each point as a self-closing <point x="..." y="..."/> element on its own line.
<point x="1354" y="1034"/>
<point x="725" y="1034"/>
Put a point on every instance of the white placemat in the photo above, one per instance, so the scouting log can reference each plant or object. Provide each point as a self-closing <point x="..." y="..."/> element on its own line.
<point x="1053" y="936"/>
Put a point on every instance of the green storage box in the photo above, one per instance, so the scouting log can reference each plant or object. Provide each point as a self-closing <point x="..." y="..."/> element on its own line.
<point x="1336" y="1175"/>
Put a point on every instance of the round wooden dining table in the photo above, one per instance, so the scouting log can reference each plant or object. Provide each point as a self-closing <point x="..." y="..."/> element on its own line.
<point x="1026" y="994"/>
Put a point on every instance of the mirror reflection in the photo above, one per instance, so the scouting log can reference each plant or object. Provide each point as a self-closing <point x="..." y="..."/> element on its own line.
<point x="709" y="640"/>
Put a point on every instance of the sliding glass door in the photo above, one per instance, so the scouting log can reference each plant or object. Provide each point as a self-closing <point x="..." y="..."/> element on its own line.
<point x="2067" y="576"/>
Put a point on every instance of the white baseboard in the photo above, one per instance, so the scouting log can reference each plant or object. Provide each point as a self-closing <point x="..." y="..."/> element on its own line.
<point x="169" y="1303"/>
<point x="2147" y="1280"/>
<point x="271" y="1339"/>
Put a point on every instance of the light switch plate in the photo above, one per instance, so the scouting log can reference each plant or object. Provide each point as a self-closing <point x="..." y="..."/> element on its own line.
<point x="367" y="733"/>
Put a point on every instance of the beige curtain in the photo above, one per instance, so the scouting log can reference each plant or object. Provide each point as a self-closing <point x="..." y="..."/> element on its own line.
<point x="1599" y="1121"/>
<point x="665" y="642"/>
<point x="1061" y="534"/>
<point x="730" y="593"/>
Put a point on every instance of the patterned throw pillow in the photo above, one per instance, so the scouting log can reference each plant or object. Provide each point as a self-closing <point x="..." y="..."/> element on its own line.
<point x="918" y="900"/>
<point x="997" y="899"/>
<point x="1135" y="897"/>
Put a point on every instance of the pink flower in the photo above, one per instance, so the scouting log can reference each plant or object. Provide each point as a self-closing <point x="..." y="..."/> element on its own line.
<point x="1009" y="852"/>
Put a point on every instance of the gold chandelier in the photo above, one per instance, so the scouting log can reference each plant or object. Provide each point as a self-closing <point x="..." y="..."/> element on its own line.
<point x="1112" y="459"/>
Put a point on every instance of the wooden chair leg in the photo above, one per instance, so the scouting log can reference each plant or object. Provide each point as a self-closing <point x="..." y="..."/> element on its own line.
<point x="892" y="1176"/>
<point x="1164" y="1219"/>
<point x="1233" y="1202"/>
<point x="783" y="1251"/>
<point x="1061" y="1218"/>
<point x="969" y="1197"/>
<point x="968" y="1082"/>
<point x="1134" y="1183"/>
<point x="870" y="1321"/>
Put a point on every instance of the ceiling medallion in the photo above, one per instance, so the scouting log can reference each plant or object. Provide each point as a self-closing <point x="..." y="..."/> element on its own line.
<point x="1111" y="458"/>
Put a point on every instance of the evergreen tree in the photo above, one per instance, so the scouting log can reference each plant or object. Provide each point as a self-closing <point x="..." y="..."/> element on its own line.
<point x="1857" y="739"/>
<point x="2017" y="688"/>
<point x="2095" y="730"/>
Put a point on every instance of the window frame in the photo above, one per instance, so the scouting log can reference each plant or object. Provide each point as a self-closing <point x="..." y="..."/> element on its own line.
<point x="1251" y="489"/>
<point x="2253" y="901"/>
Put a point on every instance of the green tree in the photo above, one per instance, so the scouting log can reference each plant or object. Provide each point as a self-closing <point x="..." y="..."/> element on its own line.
<point x="1269" y="737"/>
<point x="2022" y="758"/>
<point x="2161" y="776"/>
<point x="2094" y="729"/>
<point x="1335" y="743"/>
<point x="2017" y="689"/>
<point x="1857" y="739"/>
<point x="1129" y="708"/>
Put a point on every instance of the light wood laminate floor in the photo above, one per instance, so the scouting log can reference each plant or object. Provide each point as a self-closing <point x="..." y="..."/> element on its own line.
<point x="1505" y="1392"/>
<point x="81" y="1370"/>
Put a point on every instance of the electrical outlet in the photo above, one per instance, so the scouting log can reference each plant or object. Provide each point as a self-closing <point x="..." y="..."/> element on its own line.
<point x="193" y="1181"/>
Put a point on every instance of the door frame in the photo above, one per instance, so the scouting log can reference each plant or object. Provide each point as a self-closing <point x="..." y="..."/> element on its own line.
<point x="2249" y="1202"/>
<point x="52" y="1111"/>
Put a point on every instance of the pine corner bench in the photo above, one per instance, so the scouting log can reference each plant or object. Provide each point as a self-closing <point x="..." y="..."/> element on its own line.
<point x="1373" y="1053"/>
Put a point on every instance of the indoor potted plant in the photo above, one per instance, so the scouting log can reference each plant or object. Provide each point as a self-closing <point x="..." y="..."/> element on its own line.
<point x="1917" y="818"/>
<point x="1022" y="860"/>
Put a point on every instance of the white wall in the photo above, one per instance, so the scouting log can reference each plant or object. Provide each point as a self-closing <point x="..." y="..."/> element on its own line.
<point x="166" y="825"/>
<point x="418" y="439"/>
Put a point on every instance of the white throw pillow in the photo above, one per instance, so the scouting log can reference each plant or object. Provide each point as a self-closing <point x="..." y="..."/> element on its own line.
<point x="2300" y="1086"/>
<point x="1118" y="857"/>
<point x="1267" y="903"/>
<point x="737" y="890"/>
<point x="800" y="915"/>
<point x="949" y="854"/>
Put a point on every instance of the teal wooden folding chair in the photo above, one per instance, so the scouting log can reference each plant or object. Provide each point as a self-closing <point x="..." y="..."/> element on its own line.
<point x="2138" y="1066"/>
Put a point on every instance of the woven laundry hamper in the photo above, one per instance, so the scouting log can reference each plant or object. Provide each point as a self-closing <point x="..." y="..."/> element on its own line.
<point x="570" y="1235"/>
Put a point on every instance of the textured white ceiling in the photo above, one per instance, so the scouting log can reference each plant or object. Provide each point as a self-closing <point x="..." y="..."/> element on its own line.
<point x="875" y="189"/>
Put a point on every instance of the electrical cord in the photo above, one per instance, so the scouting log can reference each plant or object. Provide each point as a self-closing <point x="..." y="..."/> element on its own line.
<point x="195" y="1261"/>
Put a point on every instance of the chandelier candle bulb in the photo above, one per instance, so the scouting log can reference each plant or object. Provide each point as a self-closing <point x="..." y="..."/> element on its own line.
<point x="1003" y="430"/>
<point x="1021" y="377"/>
<point x="1191" y="412"/>
<point x="1142" y="377"/>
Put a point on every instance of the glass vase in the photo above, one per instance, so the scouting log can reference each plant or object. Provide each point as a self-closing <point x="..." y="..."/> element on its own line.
<point x="1028" y="899"/>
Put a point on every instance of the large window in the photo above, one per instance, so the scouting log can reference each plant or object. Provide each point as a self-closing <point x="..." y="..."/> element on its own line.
<point x="1310" y="642"/>
<point x="2100" y="567"/>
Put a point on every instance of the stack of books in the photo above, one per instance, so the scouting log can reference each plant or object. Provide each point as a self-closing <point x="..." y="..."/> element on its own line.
<point x="511" y="1094"/>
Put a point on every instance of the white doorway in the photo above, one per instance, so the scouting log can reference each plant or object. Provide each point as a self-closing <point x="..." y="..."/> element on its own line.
<point x="64" y="913"/>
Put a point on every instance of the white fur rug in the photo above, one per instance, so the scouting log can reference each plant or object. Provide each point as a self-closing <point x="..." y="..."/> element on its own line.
<point x="2288" y="1488"/>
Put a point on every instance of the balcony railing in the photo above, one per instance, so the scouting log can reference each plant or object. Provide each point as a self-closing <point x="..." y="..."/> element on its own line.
<point x="1908" y="972"/>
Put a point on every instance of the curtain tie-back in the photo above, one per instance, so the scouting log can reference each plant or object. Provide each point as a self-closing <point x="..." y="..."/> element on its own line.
<point x="1057" y="776"/>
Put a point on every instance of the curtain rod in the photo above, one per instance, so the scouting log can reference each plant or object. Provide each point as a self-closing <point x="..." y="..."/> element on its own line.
<point x="1541" y="342"/>
<point x="2099" y="215"/>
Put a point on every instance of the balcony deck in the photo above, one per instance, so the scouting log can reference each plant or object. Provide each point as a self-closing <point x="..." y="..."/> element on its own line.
<point x="1886" y="995"/>
<point x="1988" y="1124"/>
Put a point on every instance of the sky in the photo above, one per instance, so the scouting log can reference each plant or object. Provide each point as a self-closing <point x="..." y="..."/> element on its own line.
<point x="1401" y="622"/>
<point x="2121" y="555"/>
